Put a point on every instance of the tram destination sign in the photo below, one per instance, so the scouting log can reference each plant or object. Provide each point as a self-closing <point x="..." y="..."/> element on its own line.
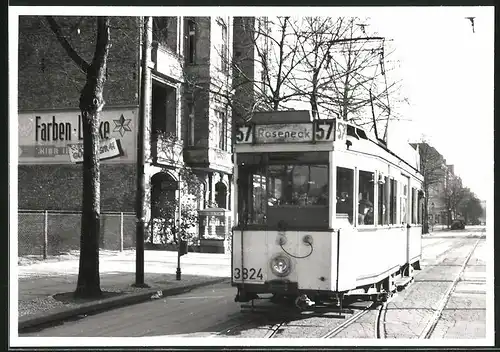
<point x="315" y="131"/>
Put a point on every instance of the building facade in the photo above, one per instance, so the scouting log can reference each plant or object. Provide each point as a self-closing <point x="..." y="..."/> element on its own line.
<point x="191" y="74"/>
<point x="437" y="175"/>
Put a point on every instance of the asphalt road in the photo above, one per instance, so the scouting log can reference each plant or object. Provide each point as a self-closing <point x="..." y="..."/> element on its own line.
<point x="211" y="310"/>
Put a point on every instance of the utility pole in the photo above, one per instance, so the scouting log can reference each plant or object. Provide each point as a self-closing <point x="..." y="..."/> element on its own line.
<point x="143" y="151"/>
<point x="179" y="237"/>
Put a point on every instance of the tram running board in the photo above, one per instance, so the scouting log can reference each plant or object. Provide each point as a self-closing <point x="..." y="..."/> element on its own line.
<point x="309" y="310"/>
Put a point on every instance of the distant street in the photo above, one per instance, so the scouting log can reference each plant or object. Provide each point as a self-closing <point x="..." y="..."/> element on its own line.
<point x="446" y="300"/>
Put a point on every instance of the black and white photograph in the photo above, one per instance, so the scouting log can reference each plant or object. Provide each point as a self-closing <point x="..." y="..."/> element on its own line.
<point x="251" y="176"/>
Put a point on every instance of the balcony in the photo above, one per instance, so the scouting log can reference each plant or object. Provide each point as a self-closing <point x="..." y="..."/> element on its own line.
<point x="209" y="158"/>
<point x="166" y="62"/>
<point x="166" y="150"/>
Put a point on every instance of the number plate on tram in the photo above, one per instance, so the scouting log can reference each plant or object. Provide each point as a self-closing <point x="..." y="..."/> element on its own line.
<point x="248" y="274"/>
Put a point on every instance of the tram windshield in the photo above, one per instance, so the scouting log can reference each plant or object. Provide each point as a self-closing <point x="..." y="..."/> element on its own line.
<point x="291" y="188"/>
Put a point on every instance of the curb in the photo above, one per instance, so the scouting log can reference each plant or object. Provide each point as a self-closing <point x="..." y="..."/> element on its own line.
<point x="109" y="304"/>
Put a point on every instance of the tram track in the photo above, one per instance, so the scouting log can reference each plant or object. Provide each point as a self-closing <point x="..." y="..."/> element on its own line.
<point x="344" y="325"/>
<point x="380" y="322"/>
<point x="431" y="325"/>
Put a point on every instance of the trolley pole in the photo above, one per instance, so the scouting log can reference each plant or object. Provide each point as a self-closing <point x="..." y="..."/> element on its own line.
<point x="143" y="151"/>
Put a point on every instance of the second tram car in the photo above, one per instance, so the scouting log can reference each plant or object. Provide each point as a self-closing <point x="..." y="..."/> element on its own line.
<point x="323" y="210"/>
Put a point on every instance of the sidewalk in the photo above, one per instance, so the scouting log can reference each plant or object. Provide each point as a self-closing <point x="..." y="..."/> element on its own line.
<point x="45" y="287"/>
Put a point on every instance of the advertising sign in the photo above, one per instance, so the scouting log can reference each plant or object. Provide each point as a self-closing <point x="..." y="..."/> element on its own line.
<point x="48" y="137"/>
<point x="109" y="149"/>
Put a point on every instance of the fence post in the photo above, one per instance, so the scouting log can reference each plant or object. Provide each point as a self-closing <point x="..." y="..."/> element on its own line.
<point x="121" y="231"/>
<point x="45" y="233"/>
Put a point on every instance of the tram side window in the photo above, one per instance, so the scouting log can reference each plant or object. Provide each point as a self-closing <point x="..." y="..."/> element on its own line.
<point x="345" y="192"/>
<point x="382" y="201"/>
<point x="403" y="203"/>
<point x="393" y="200"/>
<point x="366" y="198"/>
<point x="413" y="205"/>
<point x="420" y="206"/>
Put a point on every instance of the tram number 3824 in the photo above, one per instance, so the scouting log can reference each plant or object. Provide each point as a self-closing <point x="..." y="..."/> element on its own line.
<point x="247" y="274"/>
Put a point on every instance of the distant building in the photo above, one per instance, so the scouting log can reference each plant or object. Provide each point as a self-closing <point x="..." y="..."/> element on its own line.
<point x="434" y="169"/>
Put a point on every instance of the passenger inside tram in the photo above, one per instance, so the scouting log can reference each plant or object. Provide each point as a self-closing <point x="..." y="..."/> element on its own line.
<point x="344" y="205"/>
<point x="365" y="210"/>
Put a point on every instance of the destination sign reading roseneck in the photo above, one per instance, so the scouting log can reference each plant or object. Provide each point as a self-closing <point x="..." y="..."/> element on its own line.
<point x="319" y="130"/>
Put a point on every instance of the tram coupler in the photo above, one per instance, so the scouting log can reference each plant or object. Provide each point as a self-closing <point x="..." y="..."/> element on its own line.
<point x="303" y="301"/>
<point x="243" y="296"/>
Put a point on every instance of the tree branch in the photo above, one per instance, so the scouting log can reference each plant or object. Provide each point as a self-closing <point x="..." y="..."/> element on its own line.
<point x="79" y="61"/>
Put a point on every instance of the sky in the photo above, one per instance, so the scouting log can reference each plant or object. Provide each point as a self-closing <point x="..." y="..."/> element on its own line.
<point x="447" y="72"/>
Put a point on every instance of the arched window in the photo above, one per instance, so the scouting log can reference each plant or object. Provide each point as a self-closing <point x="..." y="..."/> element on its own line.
<point x="221" y="195"/>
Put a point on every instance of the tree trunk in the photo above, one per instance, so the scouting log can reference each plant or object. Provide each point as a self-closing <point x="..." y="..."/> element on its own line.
<point x="91" y="103"/>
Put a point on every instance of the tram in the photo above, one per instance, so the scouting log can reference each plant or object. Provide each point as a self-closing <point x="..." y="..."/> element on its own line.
<point x="323" y="211"/>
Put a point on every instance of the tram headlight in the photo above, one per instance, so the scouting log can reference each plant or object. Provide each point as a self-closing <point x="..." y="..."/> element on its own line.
<point x="281" y="265"/>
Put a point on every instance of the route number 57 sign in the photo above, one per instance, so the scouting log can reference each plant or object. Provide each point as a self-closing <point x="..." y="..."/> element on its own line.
<point x="244" y="134"/>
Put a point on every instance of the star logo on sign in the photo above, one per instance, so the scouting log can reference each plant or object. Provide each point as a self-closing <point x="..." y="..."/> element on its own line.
<point x="122" y="125"/>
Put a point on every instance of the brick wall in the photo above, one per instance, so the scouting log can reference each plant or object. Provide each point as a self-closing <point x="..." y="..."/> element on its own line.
<point x="49" y="79"/>
<point x="59" y="187"/>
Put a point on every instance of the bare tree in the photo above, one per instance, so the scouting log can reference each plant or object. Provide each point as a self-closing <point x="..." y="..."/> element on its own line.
<point x="330" y="64"/>
<point x="454" y="195"/>
<point x="266" y="56"/>
<point x="359" y="86"/>
<point x="470" y="207"/>
<point x="316" y="36"/>
<point x="91" y="104"/>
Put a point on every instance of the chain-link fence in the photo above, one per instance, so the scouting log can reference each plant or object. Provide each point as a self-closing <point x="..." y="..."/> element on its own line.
<point x="55" y="232"/>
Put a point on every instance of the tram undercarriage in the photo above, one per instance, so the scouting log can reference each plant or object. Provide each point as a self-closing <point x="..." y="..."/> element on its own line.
<point x="287" y="293"/>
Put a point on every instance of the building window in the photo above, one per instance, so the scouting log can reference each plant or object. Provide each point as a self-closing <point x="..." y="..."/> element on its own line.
<point x="222" y="129"/>
<point x="366" y="192"/>
<point x="223" y="46"/>
<point x="160" y="30"/>
<point x="191" y="41"/>
<point x="191" y="125"/>
<point x="345" y="192"/>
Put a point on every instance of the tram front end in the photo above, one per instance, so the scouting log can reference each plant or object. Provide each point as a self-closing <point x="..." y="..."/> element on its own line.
<point x="286" y="238"/>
